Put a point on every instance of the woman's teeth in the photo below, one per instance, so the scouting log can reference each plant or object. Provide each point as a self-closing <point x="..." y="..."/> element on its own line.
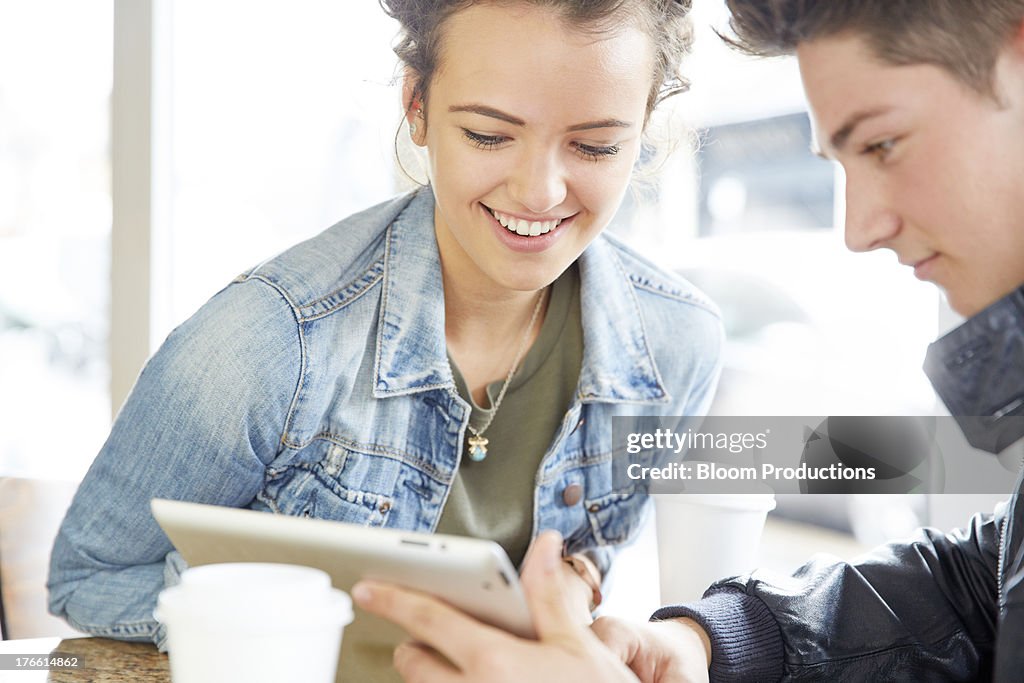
<point x="525" y="228"/>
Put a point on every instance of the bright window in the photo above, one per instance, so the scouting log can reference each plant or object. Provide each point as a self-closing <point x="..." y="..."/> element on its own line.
<point x="55" y="83"/>
<point x="282" y="122"/>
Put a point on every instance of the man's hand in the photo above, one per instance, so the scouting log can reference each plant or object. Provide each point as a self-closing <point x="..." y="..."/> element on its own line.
<point x="670" y="651"/>
<point x="451" y="646"/>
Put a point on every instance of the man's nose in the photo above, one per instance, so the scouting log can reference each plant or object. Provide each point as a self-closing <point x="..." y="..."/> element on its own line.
<point x="871" y="220"/>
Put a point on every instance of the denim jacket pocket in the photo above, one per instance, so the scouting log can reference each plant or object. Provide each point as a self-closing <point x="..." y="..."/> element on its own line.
<point x="308" y="491"/>
<point x="616" y="517"/>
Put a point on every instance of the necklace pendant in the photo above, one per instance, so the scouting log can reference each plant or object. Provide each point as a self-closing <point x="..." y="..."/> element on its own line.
<point x="477" y="448"/>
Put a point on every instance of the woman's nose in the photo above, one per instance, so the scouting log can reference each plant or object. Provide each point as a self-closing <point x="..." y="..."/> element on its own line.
<point x="538" y="182"/>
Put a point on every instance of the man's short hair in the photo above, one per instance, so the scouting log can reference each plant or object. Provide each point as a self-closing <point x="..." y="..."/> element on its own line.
<point x="964" y="37"/>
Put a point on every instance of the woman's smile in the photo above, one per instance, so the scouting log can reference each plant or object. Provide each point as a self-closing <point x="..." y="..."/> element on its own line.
<point x="525" y="226"/>
<point x="539" y="235"/>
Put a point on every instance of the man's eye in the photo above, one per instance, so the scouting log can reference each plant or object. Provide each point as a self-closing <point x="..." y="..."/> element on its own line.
<point x="481" y="141"/>
<point x="881" y="150"/>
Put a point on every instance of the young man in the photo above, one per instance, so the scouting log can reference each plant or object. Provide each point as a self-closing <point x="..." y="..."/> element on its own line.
<point x="922" y="103"/>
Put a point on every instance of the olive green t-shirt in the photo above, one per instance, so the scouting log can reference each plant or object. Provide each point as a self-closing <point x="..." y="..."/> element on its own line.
<point x="493" y="498"/>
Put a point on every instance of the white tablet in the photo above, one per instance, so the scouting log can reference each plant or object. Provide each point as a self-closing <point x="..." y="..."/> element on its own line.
<point x="472" y="574"/>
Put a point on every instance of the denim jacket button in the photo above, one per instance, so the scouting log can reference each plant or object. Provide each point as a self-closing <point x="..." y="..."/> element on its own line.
<point x="385" y="506"/>
<point x="572" y="494"/>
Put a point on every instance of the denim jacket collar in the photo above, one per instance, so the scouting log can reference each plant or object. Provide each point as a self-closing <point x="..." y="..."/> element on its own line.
<point x="411" y="348"/>
<point x="618" y="365"/>
<point x="411" y="352"/>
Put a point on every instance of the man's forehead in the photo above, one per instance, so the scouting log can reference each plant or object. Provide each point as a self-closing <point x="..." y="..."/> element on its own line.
<point x="839" y="66"/>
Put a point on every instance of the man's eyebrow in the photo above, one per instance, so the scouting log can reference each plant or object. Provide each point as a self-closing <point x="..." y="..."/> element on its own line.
<point x="493" y="113"/>
<point x="842" y="135"/>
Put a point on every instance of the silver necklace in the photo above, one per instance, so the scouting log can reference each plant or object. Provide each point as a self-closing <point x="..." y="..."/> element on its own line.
<point x="477" y="442"/>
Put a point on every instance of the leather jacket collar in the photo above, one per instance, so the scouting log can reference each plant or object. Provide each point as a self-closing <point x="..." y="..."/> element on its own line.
<point x="978" y="371"/>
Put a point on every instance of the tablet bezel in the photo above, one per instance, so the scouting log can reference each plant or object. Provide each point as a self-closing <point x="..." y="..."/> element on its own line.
<point x="474" y="575"/>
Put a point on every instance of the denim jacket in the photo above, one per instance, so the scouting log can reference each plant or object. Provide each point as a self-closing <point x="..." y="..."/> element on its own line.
<point x="317" y="385"/>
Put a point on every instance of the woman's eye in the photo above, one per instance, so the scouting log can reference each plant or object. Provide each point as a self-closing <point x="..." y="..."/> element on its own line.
<point x="481" y="141"/>
<point x="595" y="152"/>
<point x="592" y="152"/>
<point x="881" y="150"/>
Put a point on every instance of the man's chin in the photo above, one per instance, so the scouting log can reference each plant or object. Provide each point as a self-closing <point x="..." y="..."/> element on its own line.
<point x="968" y="304"/>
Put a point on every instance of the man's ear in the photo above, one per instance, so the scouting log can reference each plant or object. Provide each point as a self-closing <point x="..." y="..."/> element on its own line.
<point x="412" y="104"/>
<point x="1015" y="47"/>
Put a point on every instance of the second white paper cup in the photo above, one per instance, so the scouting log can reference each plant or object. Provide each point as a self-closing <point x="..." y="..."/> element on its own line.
<point x="253" y="622"/>
<point x="706" y="537"/>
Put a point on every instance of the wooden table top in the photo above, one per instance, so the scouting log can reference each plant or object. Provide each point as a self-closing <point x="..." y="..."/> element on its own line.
<point x="100" y="659"/>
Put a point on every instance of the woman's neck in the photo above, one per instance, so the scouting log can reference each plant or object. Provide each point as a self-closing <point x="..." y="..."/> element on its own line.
<point x="486" y="328"/>
<point x="477" y="307"/>
<point x="474" y="313"/>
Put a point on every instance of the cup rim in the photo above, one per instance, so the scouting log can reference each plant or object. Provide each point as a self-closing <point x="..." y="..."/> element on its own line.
<point x="333" y="606"/>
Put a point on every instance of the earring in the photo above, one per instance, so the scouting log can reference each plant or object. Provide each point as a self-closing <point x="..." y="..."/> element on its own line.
<point x="418" y="111"/>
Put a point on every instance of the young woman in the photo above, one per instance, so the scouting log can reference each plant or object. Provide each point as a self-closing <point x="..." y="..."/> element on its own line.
<point x="448" y="361"/>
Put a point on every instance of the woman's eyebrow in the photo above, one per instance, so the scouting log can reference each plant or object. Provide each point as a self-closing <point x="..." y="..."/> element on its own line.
<point x="493" y="113"/>
<point x="605" y="123"/>
<point x="484" y="110"/>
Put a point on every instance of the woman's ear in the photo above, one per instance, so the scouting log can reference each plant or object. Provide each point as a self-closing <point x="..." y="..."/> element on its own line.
<point x="412" y="103"/>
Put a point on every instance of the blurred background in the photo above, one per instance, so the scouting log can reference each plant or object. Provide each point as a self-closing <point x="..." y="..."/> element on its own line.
<point x="151" y="150"/>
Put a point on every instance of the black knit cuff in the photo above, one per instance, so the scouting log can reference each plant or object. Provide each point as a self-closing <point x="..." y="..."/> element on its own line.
<point x="746" y="644"/>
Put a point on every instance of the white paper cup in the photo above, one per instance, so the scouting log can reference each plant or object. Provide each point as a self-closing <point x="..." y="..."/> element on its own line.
<point x="253" y="622"/>
<point x="706" y="537"/>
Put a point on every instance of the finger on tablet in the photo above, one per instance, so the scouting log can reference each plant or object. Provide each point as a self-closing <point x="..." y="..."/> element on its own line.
<point x="546" y="590"/>
<point x="428" y="620"/>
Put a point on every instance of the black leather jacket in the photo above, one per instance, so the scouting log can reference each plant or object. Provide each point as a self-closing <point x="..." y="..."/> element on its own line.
<point x="941" y="607"/>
